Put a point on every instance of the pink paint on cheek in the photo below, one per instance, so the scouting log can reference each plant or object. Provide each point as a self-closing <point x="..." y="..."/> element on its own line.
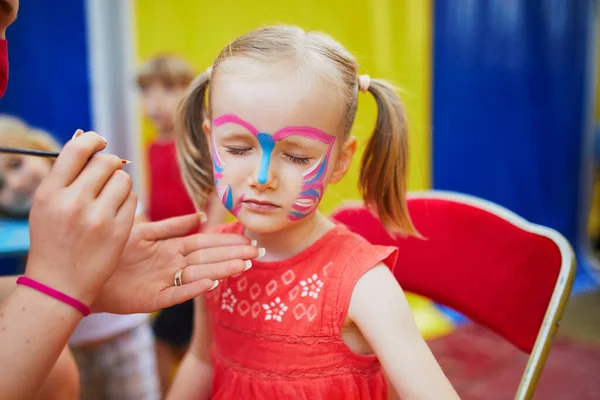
<point x="236" y="210"/>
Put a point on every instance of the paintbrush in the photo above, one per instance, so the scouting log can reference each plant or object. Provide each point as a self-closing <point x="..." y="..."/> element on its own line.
<point x="38" y="153"/>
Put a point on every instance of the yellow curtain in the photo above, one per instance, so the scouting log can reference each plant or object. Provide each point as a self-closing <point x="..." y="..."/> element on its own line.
<point x="594" y="222"/>
<point x="390" y="38"/>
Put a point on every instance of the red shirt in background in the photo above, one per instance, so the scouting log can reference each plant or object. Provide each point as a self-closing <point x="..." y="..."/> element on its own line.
<point x="3" y="66"/>
<point x="168" y="197"/>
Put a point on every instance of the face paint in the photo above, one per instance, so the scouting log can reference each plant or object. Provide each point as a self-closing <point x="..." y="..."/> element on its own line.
<point x="312" y="179"/>
<point x="267" y="143"/>
<point x="217" y="163"/>
<point x="226" y="196"/>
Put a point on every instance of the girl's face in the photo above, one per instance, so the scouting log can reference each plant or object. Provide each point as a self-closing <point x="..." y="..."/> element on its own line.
<point x="159" y="101"/>
<point x="276" y="145"/>
<point x="20" y="176"/>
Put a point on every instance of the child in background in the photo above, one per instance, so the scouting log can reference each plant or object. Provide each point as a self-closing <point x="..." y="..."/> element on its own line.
<point x="320" y="315"/>
<point x="162" y="81"/>
<point x="21" y="175"/>
<point x="115" y="353"/>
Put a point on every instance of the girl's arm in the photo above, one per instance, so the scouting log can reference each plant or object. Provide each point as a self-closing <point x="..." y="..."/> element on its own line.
<point x="380" y="310"/>
<point x="194" y="378"/>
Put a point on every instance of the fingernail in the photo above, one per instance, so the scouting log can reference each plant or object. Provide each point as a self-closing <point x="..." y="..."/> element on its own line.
<point x="103" y="138"/>
<point x="125" y="162"/>
<point x="203" y="217"/>
<point x="261" y="252"/>
<point x="253" y="243"/>
<point x="215" y="284"/>
<point x="77" y="133"/>
<point x="248" y="264"/>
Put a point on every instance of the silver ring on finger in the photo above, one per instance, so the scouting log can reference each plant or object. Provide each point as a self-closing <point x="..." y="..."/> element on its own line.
<point x="177" y="280"/>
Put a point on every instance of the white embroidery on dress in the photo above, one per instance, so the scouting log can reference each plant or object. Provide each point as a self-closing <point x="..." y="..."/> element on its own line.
<point x="311" y="287"/>
<point x="275" y="310"/>
<point x="228" y="300"/>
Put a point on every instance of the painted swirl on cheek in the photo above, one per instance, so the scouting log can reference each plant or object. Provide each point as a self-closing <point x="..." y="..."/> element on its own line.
<point x="226" y="196"/>
<point x="312" y="189"/>
<point x="217" y="163"/>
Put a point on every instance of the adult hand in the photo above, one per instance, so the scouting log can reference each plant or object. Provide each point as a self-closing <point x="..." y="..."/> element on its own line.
<point x="81" y="218"/>
<point x="8" y="14"/>
<point x="143" y="281"/>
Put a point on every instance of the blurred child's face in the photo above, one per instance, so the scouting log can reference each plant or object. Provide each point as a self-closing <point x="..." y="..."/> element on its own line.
<point x="159" y="102"/>
<point x="275" y="145"/>
<point x="20" y="176"/>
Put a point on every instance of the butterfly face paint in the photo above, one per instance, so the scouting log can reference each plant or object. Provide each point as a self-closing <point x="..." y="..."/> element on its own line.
<point x="312" y="178"/>
<point x="224" y="191"/>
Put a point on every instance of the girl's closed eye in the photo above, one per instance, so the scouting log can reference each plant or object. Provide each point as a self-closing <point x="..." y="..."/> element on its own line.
<point x="297" y="160"/>
<point x="237" y="151"/>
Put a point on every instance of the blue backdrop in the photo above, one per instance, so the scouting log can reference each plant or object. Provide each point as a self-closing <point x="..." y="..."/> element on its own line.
<point x="48" y="60"/>
<point x="48" y="80"/>
<point x="511" y="79"/>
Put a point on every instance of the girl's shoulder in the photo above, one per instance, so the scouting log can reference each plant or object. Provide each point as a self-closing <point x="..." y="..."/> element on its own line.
<point x="358" y="252"/>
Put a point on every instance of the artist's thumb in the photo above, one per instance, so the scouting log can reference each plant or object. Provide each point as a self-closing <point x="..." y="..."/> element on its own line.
<point x="172" y="227"/>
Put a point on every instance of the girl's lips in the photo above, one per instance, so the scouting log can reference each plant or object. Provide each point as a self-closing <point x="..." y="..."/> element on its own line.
<point x="260" y="206"/>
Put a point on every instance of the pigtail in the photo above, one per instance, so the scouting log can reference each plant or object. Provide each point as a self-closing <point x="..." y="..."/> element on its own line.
<point x="384" y="169"/>
<point x="193" y="152"/>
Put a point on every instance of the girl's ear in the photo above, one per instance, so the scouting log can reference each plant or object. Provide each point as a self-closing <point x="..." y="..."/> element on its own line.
<point x="206" y="127"/>
<point x="344" y="160"/>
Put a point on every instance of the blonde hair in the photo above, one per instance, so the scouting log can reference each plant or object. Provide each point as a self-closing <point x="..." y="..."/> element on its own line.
<point x="384" y="166"/>
<point x="165" y="69"/>
<point x="15" y="133"/>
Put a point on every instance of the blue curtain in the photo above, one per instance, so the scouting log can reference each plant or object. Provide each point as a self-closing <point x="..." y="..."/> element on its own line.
<point x="511" y="83"/>
<point x="49" y="77"/>
<point x="48" y="80"/>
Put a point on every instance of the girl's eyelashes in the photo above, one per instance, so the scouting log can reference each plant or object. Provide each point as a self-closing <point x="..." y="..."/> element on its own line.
<point x="297" y="160"/>
<point x="237" y="151"/>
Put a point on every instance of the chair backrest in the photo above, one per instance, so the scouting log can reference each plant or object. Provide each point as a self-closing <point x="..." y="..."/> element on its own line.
<point x="478" y="258"/>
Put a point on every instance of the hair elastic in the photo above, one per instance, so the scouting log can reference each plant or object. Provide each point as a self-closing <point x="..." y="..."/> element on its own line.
<point x="364" y="81"/>
<point x="47" y="290"/>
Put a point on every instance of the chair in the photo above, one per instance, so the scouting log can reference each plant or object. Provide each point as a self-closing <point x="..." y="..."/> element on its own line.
<point x="505" y="273"/>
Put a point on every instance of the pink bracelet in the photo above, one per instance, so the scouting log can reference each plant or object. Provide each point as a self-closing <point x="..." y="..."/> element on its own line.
<point x="47" y="290"/>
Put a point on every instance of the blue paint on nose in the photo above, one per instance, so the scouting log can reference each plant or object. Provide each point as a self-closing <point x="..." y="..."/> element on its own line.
<point x="267" y="143"/>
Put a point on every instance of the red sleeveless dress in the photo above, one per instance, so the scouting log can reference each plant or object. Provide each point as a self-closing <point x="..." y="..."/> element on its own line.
<point x="276" y="327"/>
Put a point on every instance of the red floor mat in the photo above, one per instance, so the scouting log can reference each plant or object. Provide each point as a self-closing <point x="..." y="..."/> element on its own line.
<point x="482" y="365"/>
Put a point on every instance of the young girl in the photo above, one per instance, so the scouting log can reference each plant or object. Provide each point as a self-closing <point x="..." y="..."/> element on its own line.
<point x="321" y="315"/>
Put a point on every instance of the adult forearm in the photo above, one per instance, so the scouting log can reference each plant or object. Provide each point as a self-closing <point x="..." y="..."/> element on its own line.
<point x="34" y="329"/>
<point x="7" y="285"/>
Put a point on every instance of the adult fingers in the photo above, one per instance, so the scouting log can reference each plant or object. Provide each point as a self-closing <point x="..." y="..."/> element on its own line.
<point x="199" y="241"/>
<point x="171" y="227"/>
<point x="73" y="157"/>
<point x="96" y="174"/>
<point x="223" y="253"/>
<point x="178" y="294"/>
<point x="214" y="271"/>
<point x="116" y="191"/>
